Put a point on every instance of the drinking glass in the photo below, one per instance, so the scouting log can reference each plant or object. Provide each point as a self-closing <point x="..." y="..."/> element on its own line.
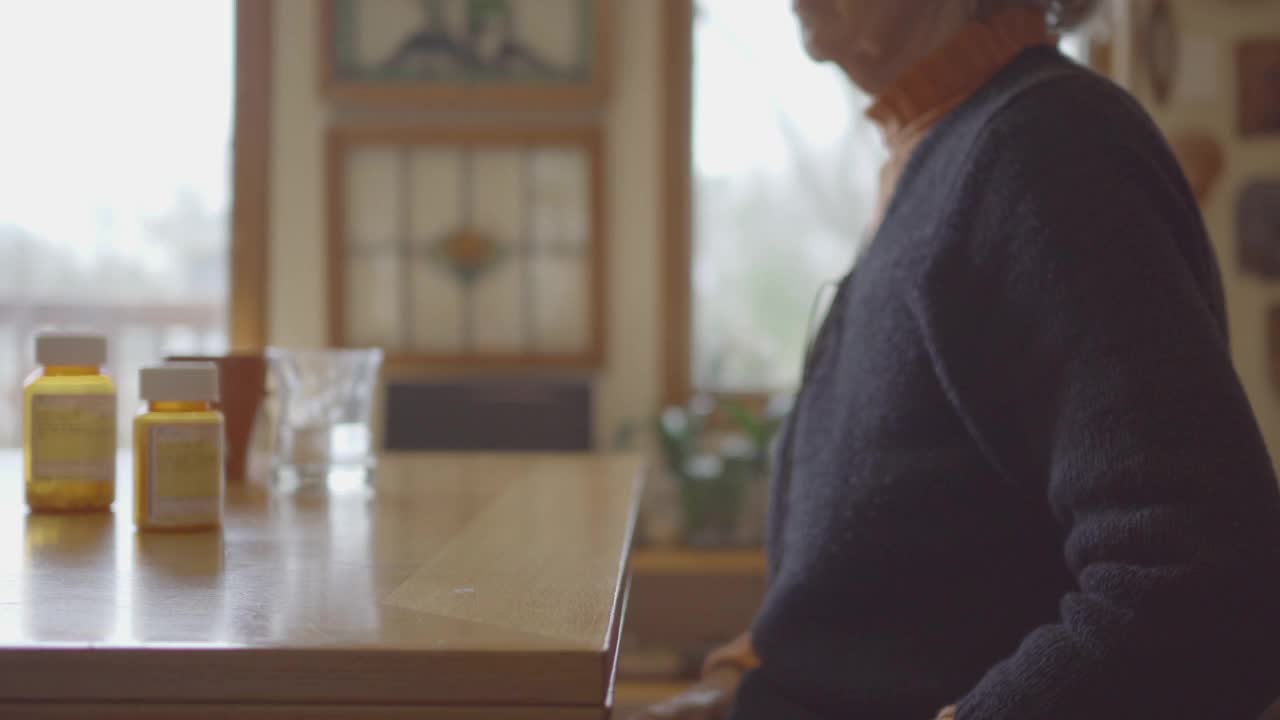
<point x="324" y="400"/>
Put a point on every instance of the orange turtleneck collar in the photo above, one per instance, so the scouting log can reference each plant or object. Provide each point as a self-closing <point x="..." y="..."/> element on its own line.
<point x="953" y="72"/>
<point x="917" y="101"/>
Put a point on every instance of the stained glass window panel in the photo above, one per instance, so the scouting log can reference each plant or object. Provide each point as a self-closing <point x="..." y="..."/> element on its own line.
<point x="438" y="311"/>
<point x="559" y="306"/>
<point x="373" y="201"/>
<point x="464" y="250"/>
<point x="374" y="303"/>
<point x="437" y="203"/>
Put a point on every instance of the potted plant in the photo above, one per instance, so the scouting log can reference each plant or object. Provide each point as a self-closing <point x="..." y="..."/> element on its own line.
<point x="715" y="468"/>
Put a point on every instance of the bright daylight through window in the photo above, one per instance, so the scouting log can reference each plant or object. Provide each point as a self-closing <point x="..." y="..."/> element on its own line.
<point x="784" y="167"/>
<point x="114" y="181"/>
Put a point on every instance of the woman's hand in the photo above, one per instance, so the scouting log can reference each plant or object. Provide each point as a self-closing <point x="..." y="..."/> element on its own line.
<point x="709" y="699"/>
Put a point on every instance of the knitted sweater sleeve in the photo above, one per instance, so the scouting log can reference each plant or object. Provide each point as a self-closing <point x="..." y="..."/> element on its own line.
<point x="1077" y="327"/>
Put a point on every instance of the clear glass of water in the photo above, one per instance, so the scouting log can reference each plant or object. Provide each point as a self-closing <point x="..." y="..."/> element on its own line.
<point x="323" y="407"/>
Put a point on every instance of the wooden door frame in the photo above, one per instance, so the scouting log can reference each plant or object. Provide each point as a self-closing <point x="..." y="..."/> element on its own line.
<point x="251" y="176"/>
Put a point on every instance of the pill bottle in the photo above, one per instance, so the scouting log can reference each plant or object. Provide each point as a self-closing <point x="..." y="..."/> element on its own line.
<point x="178" y="447"/>
<point x="69" y="425"/>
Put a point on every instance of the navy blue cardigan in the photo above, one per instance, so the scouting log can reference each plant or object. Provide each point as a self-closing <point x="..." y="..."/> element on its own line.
<point x="1021" y="474"/>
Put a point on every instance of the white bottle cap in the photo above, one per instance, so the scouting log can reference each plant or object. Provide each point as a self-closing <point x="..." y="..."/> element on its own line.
<point x="180" y="382"/>
<point x="62" y="348"/>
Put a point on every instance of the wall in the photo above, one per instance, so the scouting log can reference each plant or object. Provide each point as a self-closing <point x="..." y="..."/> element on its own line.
<point x="1248" y="298"/>
<point x="628" y="386"/>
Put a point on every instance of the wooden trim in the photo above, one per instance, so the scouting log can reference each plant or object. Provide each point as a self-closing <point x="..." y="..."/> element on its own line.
<point x="602" y="69"/>
<point x="677" y="200"/>
<point x="271" y="711"/>
<point x="407" y="364"/>
<point x="474" y="134"/>
<point x="1102" y="57"/>
<point x="613" y="652"/>
<point x="591" y="93"/>
<point x="328" y="26"/>
<point x="335" y="171"/>
<point x="680" y="561"/>
<point x="589" y="137"/>
<point x="599" y="250"/>
<point x="251" y="175"/>
<point x="637" y="694"/>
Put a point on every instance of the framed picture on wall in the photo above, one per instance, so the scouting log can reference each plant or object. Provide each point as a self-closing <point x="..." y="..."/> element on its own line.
<point x="1160" y="44"/>
<point x="456" y="54"/>
<point x="463" y="247"/>
<point x="1273" y="345"/>
<point x="1258" y="228"/>
<point x="1258" y="68"/>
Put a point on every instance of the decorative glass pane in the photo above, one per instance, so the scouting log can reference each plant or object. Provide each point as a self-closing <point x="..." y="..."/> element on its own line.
<point x="438" y="310"/>
<point x="561" y="300"/>
<point x="373" y="300"/>
<point x="485" y="246"/>
<point x="559" y="215"/>
<point x="496" y="318"/>
<point x="436" y="196"/>
<point x="496" y="195"/>
<point x="785" y="167"/>
<point x="374" y="37"/>
<point x="373" y="198"/>
<point x="469" y="41"/>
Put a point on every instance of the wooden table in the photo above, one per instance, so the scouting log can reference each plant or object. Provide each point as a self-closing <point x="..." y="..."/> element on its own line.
<point x="483" y="587"/>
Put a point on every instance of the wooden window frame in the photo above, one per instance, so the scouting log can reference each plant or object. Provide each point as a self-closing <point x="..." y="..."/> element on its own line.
<point x="589" y="137"/>
<point x="677" y="155"/>
<point x="251" y="174"/>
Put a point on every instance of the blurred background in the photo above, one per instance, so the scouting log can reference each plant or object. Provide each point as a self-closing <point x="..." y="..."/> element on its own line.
<point x="626" y="211"/>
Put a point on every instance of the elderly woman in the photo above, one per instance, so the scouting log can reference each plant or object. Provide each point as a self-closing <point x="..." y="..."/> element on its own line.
<point x="1021" y="480"/>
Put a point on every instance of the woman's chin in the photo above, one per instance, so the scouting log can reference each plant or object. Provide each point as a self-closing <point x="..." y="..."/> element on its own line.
<point x="815" y="48"/>
<point x="815" y="54"/>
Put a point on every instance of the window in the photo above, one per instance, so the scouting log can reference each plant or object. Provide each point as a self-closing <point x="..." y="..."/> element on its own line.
<point x="772" y="184"/>
<point x="115" y="184"/>
<point x="784" y="183"/>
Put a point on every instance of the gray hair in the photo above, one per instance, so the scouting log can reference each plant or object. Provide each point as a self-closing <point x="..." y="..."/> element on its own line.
<point x="1062" y="14"/>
